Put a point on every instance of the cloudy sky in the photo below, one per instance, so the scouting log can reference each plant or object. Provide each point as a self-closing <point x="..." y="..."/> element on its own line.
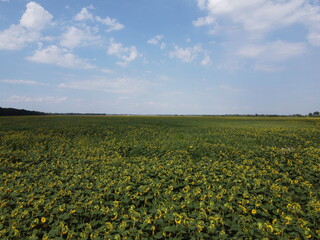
<point x="161" y="56"/>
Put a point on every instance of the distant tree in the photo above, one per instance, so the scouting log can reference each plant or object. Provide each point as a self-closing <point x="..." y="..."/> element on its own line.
<point x="316" y="114"/>
<point x="17" y="112"/>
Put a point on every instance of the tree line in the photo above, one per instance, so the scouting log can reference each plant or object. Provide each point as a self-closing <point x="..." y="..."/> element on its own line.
<point x="314" y="114"/>
<point x="18" y="112"/>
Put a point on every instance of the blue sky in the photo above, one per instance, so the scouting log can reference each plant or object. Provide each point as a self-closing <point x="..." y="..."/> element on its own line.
<point x="161" y="56"/>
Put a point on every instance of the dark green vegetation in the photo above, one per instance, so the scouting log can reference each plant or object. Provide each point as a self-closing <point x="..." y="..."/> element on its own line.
<point x="314" y="114"/>
<point x="71" y="177"/>
<point x="18" y="112"/>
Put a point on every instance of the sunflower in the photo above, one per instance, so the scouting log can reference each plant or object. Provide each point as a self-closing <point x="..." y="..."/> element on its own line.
<point x="109" y="227"/>
<point x="269" y="227"/>
<point x="178" y="219"/>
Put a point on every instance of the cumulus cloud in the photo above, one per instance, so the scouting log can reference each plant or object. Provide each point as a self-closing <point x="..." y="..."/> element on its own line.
<point x="252" y="30"/>
<point x="60" y="57"/>
<point x="259" y="17"/>
<point x="75" y="37"/>
<point x="157" y="41"/>
<point x="314" y="38"/>
<point x="32" y="22"/>
<point x="84" y="15"/>
<point x="188" y="54"/>
<point x="126" y="54"/>
<point x="206" y="60"/>
<point x="35" y="18"/>
<point x="111" y="23"/>
<point x="16" y="37"/>
<point x="202" y="4"/>
<point x="272" y="51"/>
<point x="203" y="21"/>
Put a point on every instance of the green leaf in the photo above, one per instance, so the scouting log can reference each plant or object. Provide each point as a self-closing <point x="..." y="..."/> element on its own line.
<point x="169" y="229"/>
<point x="159" y="235"/>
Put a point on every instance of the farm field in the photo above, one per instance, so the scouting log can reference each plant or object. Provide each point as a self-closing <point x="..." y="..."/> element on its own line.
<point x="139" y="177"/>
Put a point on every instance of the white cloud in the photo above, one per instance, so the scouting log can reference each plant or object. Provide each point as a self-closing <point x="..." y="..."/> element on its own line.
<point x="206" y="60"/>
<point x="119" y="85"/>
<point x="75" y="37"/>
<point x="258" y="17"/>
<point x="16" y="37"/>
<point x="273" y="51"/>
<point x="163" y="45"/>
<point x="84" y="15"/>
<point x="126" y="54"/>
<point x="252" y="51"/>
<point x="203" y="21"/>
<point x="188" y="54"/>
<point x="35" y="18"/>
<point x="157" y="41"/>
<point x="32" y="22"/>
<point x="111" y="23"/>
<point x="23" y="82"/>
<point x="47" y="99"/>
<point x="314" y="38"/>
<point x="269" y="15"/>
<point x="227" y="6"/>
<point x="202" y="4"/>
<point x="60" y="57"/>
<point x="252" y="30"/>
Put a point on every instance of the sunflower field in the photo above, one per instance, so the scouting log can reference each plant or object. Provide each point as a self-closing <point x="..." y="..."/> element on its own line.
<point x="139" y="177"/>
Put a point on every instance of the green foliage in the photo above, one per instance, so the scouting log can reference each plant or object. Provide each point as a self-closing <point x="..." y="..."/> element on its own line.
<point x="69" y="177"/>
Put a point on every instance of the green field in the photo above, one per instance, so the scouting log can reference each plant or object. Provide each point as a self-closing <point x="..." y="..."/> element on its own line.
<point x="117" y="177"/>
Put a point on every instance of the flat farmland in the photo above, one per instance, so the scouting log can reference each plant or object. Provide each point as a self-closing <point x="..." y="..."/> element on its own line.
<point x="157" y="177"/>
